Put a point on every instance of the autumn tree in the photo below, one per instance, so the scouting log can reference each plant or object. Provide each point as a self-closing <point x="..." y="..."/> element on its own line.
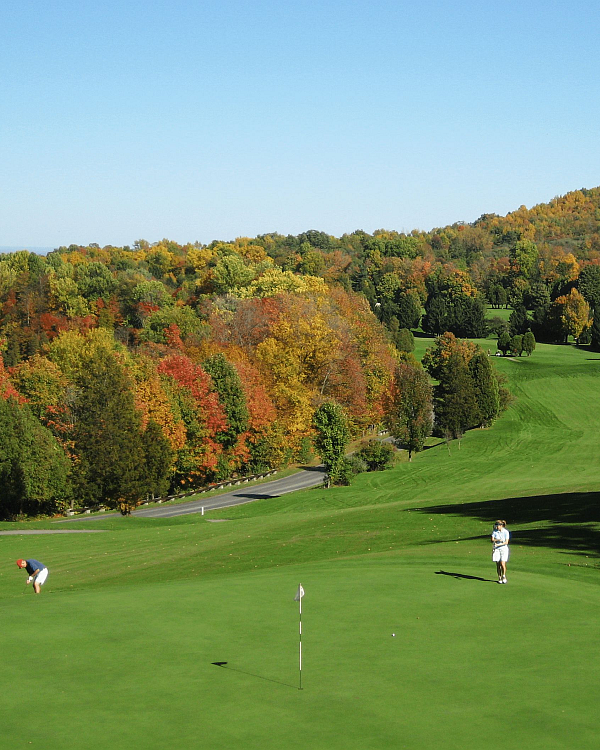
<point x="198" y="404"/>
<point x="437" y="357"/>
<point x="569" y="315"/>
<point x="409" y="414"/>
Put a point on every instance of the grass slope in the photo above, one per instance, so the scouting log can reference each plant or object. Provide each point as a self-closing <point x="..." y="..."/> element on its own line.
<point x="120" y="644"/>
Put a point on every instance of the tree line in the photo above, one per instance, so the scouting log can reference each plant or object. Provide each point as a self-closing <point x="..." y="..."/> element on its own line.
<point x="468" y="393"/>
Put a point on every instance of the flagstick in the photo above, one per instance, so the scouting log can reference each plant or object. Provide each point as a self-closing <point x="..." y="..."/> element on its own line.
<point x="300" y="654"/>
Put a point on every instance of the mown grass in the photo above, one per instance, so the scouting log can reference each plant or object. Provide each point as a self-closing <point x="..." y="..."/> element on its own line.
<point x="121" y="642"/>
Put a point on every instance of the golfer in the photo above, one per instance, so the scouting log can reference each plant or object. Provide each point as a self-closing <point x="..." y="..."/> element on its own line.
<point x="38" y="573"/>
<point x="500" y="539"/>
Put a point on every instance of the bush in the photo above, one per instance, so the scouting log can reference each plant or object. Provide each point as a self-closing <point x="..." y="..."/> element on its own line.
<point x="358" y="465"/>
<point x="343" y="474"/>
<point x="376" y="455"/>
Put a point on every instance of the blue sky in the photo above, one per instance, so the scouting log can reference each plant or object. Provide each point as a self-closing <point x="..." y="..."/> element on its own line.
<point x="209" y="120"/>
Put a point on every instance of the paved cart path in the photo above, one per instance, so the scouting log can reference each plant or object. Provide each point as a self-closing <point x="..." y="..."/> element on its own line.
<point x="302" y="480"/>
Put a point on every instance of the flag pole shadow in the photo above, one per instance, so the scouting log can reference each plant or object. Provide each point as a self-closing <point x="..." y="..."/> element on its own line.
<point x="463" y="576"/>
<point x="225" y="665"/>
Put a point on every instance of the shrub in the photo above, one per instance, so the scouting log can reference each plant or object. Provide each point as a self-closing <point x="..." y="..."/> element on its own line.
<point x="376" y="455"/>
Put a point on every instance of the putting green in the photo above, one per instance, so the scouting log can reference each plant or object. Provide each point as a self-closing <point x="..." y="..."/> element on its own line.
<point x="133" y="666"/>
<point x="118" y="650"/>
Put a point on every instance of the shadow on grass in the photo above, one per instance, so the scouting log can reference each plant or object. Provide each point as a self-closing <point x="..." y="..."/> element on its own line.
<point x="463" y="575"/>
<point x="225" y="665"/>
<point x="571" y="520"/>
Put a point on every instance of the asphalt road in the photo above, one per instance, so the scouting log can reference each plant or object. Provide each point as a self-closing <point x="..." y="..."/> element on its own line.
<point x="302" y="480"/>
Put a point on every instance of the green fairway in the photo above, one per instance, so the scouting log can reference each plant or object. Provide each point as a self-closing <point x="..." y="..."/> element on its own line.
<point x="119" y="648"/>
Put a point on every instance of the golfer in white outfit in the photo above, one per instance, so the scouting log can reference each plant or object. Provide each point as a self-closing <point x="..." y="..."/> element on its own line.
<point x="500" y="539"/>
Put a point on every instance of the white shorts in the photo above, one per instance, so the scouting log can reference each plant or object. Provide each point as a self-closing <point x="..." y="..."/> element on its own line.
<point x="500" y="554"/>
<point x="41" y="576"/>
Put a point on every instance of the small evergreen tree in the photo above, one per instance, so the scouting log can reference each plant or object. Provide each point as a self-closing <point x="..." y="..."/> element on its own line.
<point x="595" y="333"/>
<point x="485" y="386"/>
<point x="504" y="342"/>
<point x="516" y="345"/>
<point x="528" y="343"/>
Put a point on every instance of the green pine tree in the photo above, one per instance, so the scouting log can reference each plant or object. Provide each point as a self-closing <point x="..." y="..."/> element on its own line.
<point x="108" y="435"/>
<point x="456" y="408"/>
<point x="158" y="459"/>
<point x="485" y="386"/>
<point x="228" y="385"/>
<point x="528" y="343"/>
<point x="595" y="332"/>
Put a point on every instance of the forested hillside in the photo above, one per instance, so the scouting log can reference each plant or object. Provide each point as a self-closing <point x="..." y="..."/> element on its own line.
<point x="176" y="365"/>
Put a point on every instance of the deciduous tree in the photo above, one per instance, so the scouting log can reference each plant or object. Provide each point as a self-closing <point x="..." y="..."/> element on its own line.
<point x="409" y="413"/>
<point x="332" y="436"/>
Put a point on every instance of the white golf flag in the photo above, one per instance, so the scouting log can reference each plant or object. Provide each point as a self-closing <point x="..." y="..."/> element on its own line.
<point x="299" y="593"/>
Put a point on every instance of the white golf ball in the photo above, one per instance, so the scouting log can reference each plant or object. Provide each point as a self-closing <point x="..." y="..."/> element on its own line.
<point x="393" y="635"/>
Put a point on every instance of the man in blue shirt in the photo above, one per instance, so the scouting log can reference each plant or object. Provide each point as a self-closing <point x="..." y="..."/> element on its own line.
<point x="38" y="573"/>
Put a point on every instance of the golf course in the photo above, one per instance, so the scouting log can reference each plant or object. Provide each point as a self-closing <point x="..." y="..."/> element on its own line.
<point x="407" y="639"/>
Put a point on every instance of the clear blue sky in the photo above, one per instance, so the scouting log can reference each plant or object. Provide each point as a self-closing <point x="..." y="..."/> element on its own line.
<point x="211" y="119"/>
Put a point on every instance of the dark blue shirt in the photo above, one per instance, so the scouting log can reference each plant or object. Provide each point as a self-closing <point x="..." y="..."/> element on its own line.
<point x="33" y="565"/>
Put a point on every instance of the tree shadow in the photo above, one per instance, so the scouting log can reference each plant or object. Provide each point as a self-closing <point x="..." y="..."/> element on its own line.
<point x="423" y="335"/>
<point x="463" y="575"/>
<point x="441" y="441"/>
<point x="255" y="496"/>
<point x="570" y="519"/>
